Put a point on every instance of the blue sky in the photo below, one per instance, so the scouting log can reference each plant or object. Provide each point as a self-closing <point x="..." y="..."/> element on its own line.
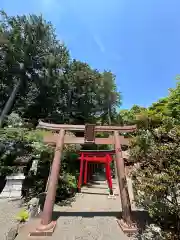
<point x="138" y="40"/>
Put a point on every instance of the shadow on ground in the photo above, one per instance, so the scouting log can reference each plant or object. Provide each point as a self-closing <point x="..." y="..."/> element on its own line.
<point x="140" y="217"/>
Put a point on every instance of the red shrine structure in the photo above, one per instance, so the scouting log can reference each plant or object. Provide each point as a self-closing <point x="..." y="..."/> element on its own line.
<point x="58" y="137"/>
<point x="88" y="162"/>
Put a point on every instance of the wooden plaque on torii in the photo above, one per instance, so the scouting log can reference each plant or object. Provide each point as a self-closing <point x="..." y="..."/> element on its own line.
<point x="89" y="134"/>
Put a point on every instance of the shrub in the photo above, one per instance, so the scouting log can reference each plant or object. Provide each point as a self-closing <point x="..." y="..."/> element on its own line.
<point x="157" y="180"/>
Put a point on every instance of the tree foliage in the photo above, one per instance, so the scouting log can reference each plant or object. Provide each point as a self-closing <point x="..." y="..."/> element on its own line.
<point x="32" y="61"/>
<point x="39" y="80"/>
<point x="156" y="151"/>
<point x="47" y="84"/>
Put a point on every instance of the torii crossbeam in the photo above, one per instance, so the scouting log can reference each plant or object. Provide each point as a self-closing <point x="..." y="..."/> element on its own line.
<point x="47" y="225"/>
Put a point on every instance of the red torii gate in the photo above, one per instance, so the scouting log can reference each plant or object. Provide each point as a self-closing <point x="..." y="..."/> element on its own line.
<point x="94" y="157"/>
<point x="47" y="226"/>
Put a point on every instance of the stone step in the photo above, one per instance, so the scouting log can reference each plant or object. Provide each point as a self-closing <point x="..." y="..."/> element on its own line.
<point x="103" y="182"/>
<point x="95" y="191"/>
<point x="100" y="186"/>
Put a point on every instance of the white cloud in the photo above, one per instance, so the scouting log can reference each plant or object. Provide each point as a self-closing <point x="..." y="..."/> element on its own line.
<point x="99" y="43"/>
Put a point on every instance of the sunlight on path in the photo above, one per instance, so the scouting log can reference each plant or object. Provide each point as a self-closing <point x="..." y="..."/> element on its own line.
<point x="92" y="216"/>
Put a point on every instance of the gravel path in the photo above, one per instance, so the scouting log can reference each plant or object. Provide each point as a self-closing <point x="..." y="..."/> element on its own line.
<point x="8" y="212"/>
<point x="97" y="228"/>
<point x="91" y="217"/>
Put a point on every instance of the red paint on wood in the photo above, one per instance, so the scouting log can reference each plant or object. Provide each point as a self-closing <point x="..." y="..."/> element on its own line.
<point x="107" y="174"/>
<point x="81" y="172"/>
<point x="95" y="159"/>
<point x="109" y="159"/>
<point x="85" y="172"/>
<point x="91" y="159"/>
<point x="97" y="153"/>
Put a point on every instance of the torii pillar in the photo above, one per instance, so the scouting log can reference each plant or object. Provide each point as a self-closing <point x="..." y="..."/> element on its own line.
<point x="47" y="226"/>
<point x="126" y="222"/>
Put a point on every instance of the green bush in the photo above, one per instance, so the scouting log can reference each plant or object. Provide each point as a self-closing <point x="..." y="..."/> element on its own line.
<point x="157" y="180"/>
<point x="67" y="187"/>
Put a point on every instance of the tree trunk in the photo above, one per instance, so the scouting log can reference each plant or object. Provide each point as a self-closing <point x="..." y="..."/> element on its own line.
<point x="9" y="103"/>
<point x="109" y="116"/>
<point x="109" y="112"/>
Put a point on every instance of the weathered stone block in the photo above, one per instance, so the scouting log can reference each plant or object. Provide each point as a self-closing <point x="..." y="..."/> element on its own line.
<point x="13" y="186"/>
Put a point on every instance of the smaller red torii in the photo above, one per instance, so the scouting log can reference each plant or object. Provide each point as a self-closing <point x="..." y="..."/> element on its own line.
<point x="88" y="159"/>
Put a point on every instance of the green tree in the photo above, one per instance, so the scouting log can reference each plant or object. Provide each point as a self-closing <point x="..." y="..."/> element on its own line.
<point x="173" y="104"/>
<point x="156" y="150"/>
<point x="129" y="116"/>
<point x="40" y="81"/>
<point x="86" y="93"/>
<point x="33" y="57"/>
<point x="110" y="97"/>
<point x="160" y="107"/>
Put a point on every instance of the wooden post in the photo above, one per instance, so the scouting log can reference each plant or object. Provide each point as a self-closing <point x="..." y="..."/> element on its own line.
<point x="91" y="171"/>
<point x="47" y="184"/>
<point x="115" y="169"/>
<point x="81" y="172"/>
<point x="85" y="172"/>
<point x="125" y="201"/>
<point x="109" y="175"/>
<point x="93" y="168"/>
<point x="88" y="172"/>
<point x="46" y="218"/>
